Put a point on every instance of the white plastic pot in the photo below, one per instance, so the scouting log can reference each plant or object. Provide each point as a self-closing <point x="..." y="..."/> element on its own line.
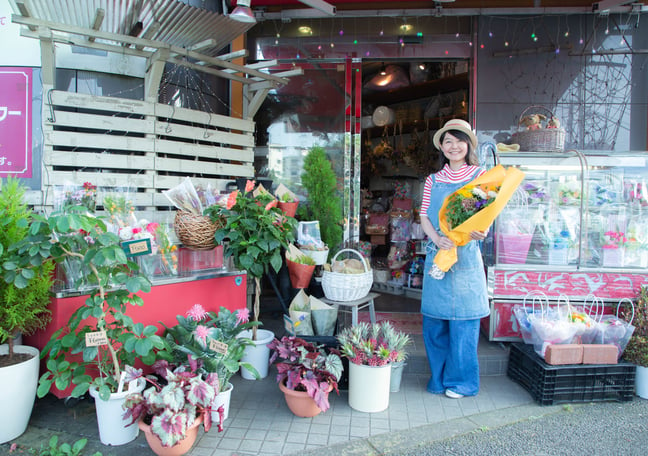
<point x="369" y="387"/>
<point x="113" y="428"/>
<point x="18" y="385"/>
<point x="258" y="355"/>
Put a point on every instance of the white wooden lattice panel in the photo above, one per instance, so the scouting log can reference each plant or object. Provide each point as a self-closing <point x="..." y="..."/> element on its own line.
<point x="147" y="147"/>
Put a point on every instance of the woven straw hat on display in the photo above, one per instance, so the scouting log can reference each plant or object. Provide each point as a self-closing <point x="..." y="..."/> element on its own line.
<point x="455" y="124"/>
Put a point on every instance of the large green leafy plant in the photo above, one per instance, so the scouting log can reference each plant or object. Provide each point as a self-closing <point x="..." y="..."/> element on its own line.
<point x="25" y="297"/>
<point x="113" y="280"/>
<point x="211" y="339"/>
<point x="636" y="352"/>
<point x="254" y="235"/>
<point x="323" y="203"/>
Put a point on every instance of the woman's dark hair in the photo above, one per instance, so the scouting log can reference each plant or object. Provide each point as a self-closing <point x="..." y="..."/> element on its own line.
<point x="471" y="156"/>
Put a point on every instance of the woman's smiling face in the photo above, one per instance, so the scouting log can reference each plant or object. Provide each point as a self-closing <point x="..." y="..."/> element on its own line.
<point x="454" y="149"/>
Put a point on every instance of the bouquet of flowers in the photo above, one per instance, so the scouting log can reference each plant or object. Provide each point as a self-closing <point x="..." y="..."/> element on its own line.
<point x="458" y="219"/>
<point x="614" y="239"/>
<point x="75" y="195"/>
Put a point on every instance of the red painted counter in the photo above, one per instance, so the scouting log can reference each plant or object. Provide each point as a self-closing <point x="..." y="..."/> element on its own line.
<point x="167" y="299"/>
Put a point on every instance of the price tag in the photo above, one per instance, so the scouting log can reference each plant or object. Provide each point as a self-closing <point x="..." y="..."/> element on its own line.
<point x="218" y="346"/>
<point x="137" y="247"/>
<point x="95" y="339"/>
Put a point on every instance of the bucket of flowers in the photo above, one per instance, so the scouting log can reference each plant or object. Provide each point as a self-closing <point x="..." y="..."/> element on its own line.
<point x="370" y="349"/>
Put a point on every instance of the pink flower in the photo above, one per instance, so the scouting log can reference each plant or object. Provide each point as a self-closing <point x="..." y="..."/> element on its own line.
<point x="231" y="199"/>
<point x="242" y="316"/>
<point x="249" y="186"/>
<point x="271" y="204"/>
<point x="202" y="332"/>
<point x="197" y="312"/>
<point x="151" y="227"/>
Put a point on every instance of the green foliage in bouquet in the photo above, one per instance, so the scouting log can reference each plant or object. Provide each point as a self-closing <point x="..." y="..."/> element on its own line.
<point x="636" y="352"/>
<point x="323" y="204"/>
<point x="25" y="295"/>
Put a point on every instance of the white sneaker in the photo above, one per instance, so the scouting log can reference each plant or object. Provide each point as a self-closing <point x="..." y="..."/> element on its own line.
<point x="452" y="395"/>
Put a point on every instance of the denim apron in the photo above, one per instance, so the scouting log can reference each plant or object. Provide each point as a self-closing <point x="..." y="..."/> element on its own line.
<point x="461" y="294"/>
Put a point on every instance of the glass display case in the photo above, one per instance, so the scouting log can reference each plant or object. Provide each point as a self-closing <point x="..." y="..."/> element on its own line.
<point x="576" y="228"/>
<point x="576" y="210"/>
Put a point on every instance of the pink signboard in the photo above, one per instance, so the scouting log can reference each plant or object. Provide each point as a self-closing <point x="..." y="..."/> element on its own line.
<point x="15" y="122"/>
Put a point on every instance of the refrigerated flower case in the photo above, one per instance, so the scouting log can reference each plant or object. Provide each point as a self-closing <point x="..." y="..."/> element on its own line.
<point x="576" y="230"/>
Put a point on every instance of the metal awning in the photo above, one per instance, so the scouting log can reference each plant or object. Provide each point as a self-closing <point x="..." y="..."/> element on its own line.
<point x="170" y="21"/>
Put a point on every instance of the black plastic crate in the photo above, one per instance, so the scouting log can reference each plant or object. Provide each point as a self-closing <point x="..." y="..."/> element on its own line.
<point x="550" y="385"/>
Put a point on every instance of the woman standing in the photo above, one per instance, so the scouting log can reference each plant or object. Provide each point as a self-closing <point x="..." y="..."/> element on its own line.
<point x="453" y="305"/>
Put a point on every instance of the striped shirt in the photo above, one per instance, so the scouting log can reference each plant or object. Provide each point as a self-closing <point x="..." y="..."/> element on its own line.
<point x="447" y="176"/>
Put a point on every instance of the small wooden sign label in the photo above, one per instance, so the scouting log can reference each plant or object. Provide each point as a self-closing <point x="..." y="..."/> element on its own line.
<point x="137" y="247"/>
<point x="218" y="346"/>
<point x="95" y="339"/>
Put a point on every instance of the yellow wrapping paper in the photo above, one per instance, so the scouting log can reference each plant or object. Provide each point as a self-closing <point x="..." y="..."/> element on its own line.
<point x="508" y="180"/>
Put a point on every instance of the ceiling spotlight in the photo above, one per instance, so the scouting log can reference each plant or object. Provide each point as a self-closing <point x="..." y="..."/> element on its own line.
<point x="406" y="28"/>
<point x="383" y="70"/>
<point x="242" y="12"/>
<point x="305" y="30"/>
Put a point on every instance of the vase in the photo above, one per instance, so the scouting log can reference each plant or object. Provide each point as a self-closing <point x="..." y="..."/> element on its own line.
<point x="641" y="382"/>
<point x="223" y="398"/>
<point x="513" y="248"/>
<point x="558" y="256"/>
<point x="113" y="428"/>
<point x="258" y="354"/>
<point x="18" y="384"/>
<point x="613" y="258"/>
<point x="369" y="387"/>
<point x="396" y="375"/>
<point x="180" y="448"/>
<point x="299" y="402"/>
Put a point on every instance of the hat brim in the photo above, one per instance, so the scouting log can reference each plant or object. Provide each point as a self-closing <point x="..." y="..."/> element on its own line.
<point x="437" y="136"/>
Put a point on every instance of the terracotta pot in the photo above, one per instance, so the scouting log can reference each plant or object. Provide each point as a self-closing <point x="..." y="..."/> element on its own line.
<point x="290" y="209"/>
<point x="180" y="448"/>
<point x="300" y="403"/>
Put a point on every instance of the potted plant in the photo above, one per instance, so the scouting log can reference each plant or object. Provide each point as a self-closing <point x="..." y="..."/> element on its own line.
<point x="323" y="203"/>
<point x="370" y="356"/>
<point x="306" y="374"/>
<point x="100" y="339"/>
<point x="24" y="305"/>
<point x="212" y="340"/>
<point x="170" y="411"/>
<point x="636" y="352"/>
<point x="254" y="235"/>
<point x="288" y="203"/>
<point x="300" y="267"/>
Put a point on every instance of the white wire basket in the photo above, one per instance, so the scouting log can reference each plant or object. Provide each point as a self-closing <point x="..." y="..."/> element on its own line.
<point x="347" y="287"/>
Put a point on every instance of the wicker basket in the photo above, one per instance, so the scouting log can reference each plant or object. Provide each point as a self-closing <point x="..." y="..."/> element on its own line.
<point x="196" y="232"/>
<point x="347" y="287"/>
<point x="543" y="139"/>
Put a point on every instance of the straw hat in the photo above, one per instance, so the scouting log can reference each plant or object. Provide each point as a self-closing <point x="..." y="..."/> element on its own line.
<point x="455" y="124"/>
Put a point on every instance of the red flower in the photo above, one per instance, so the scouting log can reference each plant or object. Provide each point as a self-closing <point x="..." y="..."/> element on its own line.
<point x="249" y="186"/>
<point x="271" y="204"/>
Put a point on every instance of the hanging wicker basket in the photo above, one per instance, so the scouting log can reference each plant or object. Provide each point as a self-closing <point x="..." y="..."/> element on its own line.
<point x="347" y="287"/>
<point x="196" y="232"/>
<point x="543" y="139"/>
